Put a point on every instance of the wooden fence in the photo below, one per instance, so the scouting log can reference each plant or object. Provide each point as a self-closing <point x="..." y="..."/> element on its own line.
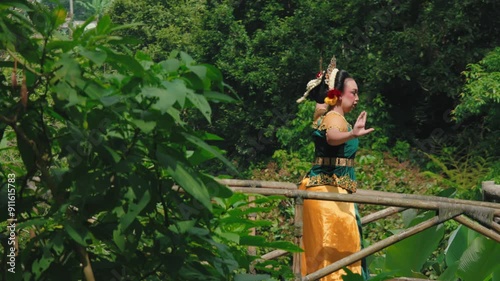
<point x="480" y="216"/>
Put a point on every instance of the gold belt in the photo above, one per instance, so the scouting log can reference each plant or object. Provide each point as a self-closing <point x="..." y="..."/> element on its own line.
<point x="344" y="182"/>
<point x="334" y="161"/>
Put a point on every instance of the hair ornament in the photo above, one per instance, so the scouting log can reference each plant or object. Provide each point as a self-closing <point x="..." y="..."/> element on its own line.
<point x="332" y="96"/>
<point x="311" y="85"/>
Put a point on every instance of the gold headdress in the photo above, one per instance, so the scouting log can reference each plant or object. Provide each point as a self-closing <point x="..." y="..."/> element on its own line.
<point x="327" y="76"/>
<point x="331" y="73"/>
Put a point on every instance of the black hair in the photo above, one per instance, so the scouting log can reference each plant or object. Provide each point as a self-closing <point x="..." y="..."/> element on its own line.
<point x="319" y="92"/>
<point x="342" y="75"/>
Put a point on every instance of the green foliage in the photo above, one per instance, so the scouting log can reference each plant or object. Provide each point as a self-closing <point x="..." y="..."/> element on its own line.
<point x="408" y="257"/>
<point x="481" y="94"/>
<point x="401" y="150"/>
<point x="96" y="7"/>
<point x="102" y="148"/>
<point x="296" y="136"/>
<point x="409" y="78"/>
<point x="469" y="256"/>
<point x="461" y="171"/>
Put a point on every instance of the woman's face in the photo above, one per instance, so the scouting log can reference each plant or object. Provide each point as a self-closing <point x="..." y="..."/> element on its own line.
<point x="349" y="97"/>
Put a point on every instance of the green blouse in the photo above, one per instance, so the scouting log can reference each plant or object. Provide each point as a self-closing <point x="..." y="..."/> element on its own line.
<point x="323" y="149"/>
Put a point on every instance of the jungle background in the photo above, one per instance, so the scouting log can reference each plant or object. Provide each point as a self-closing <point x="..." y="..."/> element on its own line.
<point x="101" y="122"/>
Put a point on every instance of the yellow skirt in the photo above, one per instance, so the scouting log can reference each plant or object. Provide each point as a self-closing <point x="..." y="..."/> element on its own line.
<point x="330" y="233"/>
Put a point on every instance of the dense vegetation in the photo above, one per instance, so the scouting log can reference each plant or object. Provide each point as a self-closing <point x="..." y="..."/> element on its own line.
<point x="98" y="125"/>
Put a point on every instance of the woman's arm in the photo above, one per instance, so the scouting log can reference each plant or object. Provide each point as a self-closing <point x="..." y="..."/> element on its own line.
<point x="320" y="109"/>
<point x="337" y="133"/>
<point x="335" y="137"/>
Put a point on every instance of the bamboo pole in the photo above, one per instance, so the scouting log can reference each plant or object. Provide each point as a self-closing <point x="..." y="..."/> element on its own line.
<point x="407" y="279"/>
<point x="491" y="191"/>
<point x="298" y="232"/>
<point x="379" y="200"/>
<point x="381" y="214"/>
<point x="252" y="250"/>
<point x="269" y="256"/>
<point x="477" y="227"/>
<point x="254" y="183"/>
<point x="427" y="198"/>
<point x="292" y="186"/>
<point x="86" y="265"/>
<point x="274" y="254"/>
<point x="372" y="249"/>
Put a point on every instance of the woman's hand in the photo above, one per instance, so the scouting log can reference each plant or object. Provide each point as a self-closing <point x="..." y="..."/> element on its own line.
<point x="359" y="127"/>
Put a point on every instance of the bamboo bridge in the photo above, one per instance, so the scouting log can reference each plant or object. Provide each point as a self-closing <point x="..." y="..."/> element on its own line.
<point x="480" y="216"/>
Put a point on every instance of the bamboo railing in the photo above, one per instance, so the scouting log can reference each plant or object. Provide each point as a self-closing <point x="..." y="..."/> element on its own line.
<point x="478" y="215"/>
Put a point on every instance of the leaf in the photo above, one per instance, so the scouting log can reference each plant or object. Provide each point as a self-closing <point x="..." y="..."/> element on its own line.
<point x="496" y="275"/>
<point x="3" y="126"/>
<point x="450" y="273"/>
<point x="110" y="100"/>
<point x="41" y="265"/>
<point x="457" y="244"/>
<point x="170" y="65"/>
<point x="119" y="239"/>
<point x="59" y="44"/>
<point x="479" y="260"/>
<point x="182" y="227"/>
<point x="134" y="210"/>
<point x="350" y="276"/>
<point x="163" y="100"/>
<point x="59" y="15"/>
<point x="213" y="73"/>
<point x="98" y="56"/>
<point x="184" y="175"/>
<point x="186" y="58"/>
<point x="215" y="188"/>
<point x="234" y="237"/>
<point x="104" y="25"/>
<point x="200" y="102"/>
<point x="177" y="90"/>
<point x="203" y="145"/>
<point x="251" y="277"/>
<point x="116" y="157"/>
<point x="145" y="126"/>
<point x="78" y="233"/>
<point x="216" y="96"/>
<point x="199" y="70"/>
<point x="419" y="246"/>
<point x="129" y="62"/>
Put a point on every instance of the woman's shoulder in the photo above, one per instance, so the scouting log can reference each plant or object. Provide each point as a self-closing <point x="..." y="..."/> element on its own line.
<point x="333" y="120"/>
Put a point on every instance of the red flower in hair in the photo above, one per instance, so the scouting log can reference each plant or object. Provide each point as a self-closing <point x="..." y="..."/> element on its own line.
<point x="334" y="93"/>
<point x="319" y="75"/>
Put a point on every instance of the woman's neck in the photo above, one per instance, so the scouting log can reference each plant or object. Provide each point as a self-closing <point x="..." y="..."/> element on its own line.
<point x="338" y="109"/>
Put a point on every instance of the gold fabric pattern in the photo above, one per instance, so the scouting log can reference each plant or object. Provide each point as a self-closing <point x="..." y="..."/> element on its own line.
<point x="344" y="182"/>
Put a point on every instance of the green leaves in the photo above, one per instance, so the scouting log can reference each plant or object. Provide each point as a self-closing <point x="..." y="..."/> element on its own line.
<point x="78" y="233"/>
<point x="134" y="209"/>
<point x="470" y="256"/>
<point x="419" y="247"/>
<point x="481" y="93"/>
<point x="184" y="175"/>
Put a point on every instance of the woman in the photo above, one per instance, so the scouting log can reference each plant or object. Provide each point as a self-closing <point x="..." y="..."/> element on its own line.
<point x="332" y="229"/>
